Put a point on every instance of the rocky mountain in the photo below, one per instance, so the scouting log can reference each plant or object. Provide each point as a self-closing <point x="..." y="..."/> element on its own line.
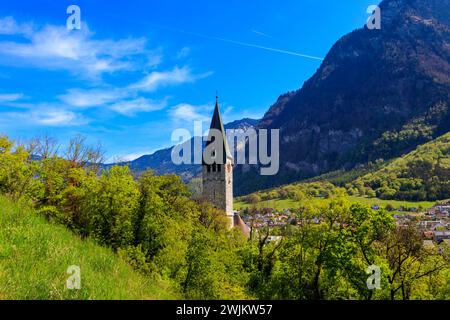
<point x="377" y="94"/>
<point x="243" y="124"/>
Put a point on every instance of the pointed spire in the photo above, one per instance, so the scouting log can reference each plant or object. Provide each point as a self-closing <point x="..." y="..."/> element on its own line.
<point x="217" y="124"/>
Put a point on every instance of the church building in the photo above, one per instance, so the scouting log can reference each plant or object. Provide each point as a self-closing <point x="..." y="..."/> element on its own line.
<point x="217" y="174"/>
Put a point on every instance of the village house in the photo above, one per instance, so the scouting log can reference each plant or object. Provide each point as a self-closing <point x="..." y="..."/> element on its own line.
<point x="440" y="236"/>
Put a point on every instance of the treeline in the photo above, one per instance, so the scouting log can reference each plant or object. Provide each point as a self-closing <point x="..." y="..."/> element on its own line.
<point x="153" y="224"/>
<point x="295" y="191"/>
<point x="423" y="174"/>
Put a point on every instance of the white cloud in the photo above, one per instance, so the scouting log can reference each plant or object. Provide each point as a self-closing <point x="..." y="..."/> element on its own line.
<point x="118" y="100"/>
<point x="10" y="97"/>
<point x="50" y="117"/>
<point x="190" y="113"/>
<point x="55" y="47"/>
<point x="56" y="118"/>
<point x="78" y="51"/>
<point x="9" y="26"/>
<point x="158" y="79"/>
<point x="131" y="107"/>
<point x="126" y="100"/>
<point x="91" y="98"/>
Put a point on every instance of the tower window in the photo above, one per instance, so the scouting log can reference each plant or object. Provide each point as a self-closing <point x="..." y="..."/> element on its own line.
<point x="208" y="168"/>
<point x="214" y="167"/>
<point x="219" y="168"/>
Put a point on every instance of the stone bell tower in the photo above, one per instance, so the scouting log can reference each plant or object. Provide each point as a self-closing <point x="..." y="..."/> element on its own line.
<point x="217" y="174"/>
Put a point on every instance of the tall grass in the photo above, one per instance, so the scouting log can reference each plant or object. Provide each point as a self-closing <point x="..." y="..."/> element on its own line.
<point x="35" y="255"/>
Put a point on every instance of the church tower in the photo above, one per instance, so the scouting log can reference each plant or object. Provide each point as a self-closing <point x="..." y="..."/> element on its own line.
<point x="217" y="174"/>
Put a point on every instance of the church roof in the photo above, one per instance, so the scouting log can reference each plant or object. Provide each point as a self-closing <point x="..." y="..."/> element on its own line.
<point x="240" y="224"/>
<point x="216" y="123"/>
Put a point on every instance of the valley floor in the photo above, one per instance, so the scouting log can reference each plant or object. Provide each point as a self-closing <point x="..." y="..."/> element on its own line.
<point x="281" y="204"/>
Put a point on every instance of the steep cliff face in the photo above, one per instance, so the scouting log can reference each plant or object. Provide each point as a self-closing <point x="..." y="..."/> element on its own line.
<point x="378" y="94"/>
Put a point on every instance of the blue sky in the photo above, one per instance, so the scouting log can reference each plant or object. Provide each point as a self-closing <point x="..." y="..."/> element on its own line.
<point x="139" y="69"/>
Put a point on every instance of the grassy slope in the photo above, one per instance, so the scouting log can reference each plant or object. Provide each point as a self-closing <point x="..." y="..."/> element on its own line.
<point x="34" y="257"/>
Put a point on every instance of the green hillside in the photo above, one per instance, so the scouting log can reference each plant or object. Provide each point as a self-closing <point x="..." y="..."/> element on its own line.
<point x="423" y="174"/>
<point x="35" y="255"/>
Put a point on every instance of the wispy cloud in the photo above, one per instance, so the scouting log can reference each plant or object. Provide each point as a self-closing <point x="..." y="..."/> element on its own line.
<point x="188" y="113"/>
<point x="122" y="101"/>
<point x="9" y="26"/>
<point x="83" y="54"/>
<point x="55" y="47"/>
<point x="158" y="79"/>
<point x="40" y="114"/>
<point x="10" y="97"/>
<point x="43" y="116"/>
<point x="131" y="107"/>
<point x="58" y="118"/>
<point x="128" y="100"/>
<point x="183" y="53"/>
<point x="91" y="98"/>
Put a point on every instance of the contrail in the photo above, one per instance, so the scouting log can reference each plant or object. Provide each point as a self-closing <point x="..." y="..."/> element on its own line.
<point x="262" y="34"/>
<point x="251" y="45"/>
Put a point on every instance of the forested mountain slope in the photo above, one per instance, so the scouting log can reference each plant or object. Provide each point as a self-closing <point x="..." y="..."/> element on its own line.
<point x="423" y="174"/>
